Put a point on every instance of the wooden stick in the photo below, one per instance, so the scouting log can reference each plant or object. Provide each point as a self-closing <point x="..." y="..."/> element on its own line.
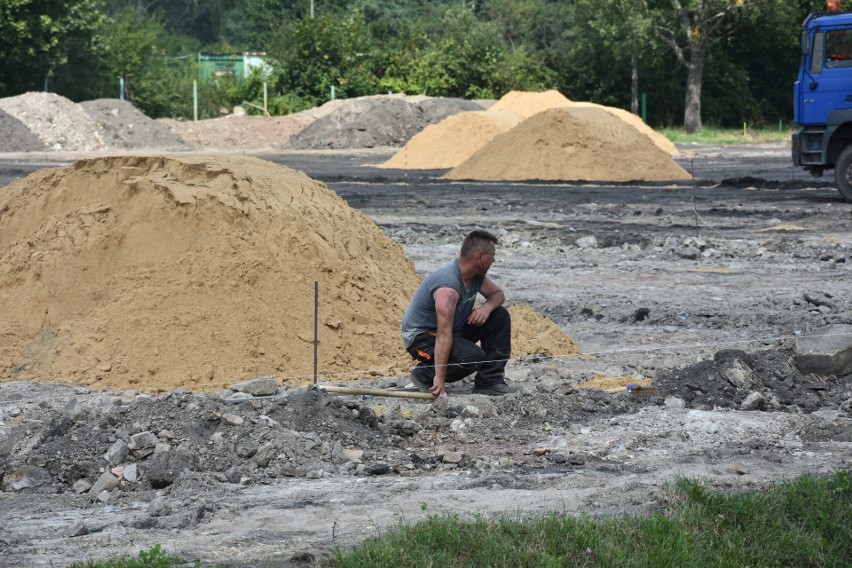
<point x="377" y="392"/>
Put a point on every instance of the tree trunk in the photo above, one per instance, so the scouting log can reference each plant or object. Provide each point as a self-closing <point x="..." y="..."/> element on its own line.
<point x="634" y="78"/>
<point x="692" y="112"/>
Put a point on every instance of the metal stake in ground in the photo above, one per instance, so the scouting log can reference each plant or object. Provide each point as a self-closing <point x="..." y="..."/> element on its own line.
<point x="316" y="328"/>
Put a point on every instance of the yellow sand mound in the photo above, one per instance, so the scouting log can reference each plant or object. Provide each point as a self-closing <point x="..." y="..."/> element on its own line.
<point x="533" y="334"/>
<point x="526" y="103"/>
<point x="636" y="122"/>
<point x="451" y="141"/>
<point x="194" y="271"/>
<point x="570" y="144"/>
<point x="605" y="382"/>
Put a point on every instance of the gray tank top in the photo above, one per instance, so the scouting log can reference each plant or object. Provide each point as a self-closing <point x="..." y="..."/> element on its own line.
<point x="420" y="315"/>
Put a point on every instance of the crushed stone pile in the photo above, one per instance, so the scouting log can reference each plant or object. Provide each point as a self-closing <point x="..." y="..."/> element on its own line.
<point x="123" y="126"/>
<point x="16" y="137"/>
<point x="153" y="273"/>
<point x="452" y="141"/>
<point x="377" y="121"/>
<point x="239" y="132"/>
<point x="571" y="144"/>
<point x="60" y="123"/>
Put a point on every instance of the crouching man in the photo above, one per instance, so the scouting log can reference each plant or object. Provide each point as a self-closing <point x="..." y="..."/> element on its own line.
<point x="440" y="327"/>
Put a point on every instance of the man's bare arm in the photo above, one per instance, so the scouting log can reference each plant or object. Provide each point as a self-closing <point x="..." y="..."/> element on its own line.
<point x="493" y="298"/>
<point x="446" y="300"/>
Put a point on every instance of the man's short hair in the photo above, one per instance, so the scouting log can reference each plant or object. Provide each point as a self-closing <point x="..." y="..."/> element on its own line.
<point x="477" y="241"/>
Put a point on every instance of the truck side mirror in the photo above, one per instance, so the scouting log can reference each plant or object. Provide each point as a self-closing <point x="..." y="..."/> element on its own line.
<point x="806" y="42"/>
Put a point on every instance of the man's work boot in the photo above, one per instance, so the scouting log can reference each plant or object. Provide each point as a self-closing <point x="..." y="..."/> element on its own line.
<point x="497" y="389"/>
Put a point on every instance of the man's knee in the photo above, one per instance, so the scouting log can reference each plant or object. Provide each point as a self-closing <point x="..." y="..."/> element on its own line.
<point x="500" y="315"/>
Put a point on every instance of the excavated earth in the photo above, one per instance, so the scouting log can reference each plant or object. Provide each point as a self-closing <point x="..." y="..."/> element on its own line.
<point x="712" y="289"/>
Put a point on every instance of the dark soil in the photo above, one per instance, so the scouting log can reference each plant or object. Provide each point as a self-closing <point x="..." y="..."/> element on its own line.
<point x="16" y="137"/>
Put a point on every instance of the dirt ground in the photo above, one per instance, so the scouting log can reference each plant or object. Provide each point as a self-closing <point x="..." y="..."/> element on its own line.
<point x="705" y="287"/>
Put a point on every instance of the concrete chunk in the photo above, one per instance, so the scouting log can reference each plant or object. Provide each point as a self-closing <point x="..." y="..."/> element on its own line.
<point x="753" y="401"/>
<point x="106" y="482"/>
<point x="738" y="374"/>
<point x="117" y="452"/>
<point x="828" y="353"/>
<point x="142" y="440"/>
<point x="260" y="386"/>
<point x="232" y="419"/>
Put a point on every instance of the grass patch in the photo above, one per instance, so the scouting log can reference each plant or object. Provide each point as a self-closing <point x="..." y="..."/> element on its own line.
<point x="723" y="136"/>
<point x="154" y="558"/>
<point x="807" y="522"/>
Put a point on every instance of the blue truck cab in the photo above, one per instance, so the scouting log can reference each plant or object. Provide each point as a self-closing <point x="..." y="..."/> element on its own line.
<point x="822" y="98"/>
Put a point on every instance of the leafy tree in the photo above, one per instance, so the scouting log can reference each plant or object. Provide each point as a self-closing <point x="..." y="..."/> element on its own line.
<point x="313" y="55"/>
<point x="129" y="44"/>
<point x="624" y="27"/>
<point x="750" y="74"/>
<point x="462" y="56"/>
<point x="37" y="37"/>
<point x="690" y="28"/>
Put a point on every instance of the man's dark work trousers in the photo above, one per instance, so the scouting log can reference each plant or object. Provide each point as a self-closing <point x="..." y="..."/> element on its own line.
<point x="488" y="361"/>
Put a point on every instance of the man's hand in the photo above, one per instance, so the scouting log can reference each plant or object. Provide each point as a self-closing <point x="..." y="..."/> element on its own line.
<point x="480" y="315"/>
<point x="493" y="299"/>
<point x="438" y="386"/>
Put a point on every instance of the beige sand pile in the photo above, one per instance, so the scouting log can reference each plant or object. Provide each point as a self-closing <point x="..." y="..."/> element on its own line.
<point x="452" y="141"/>
<point x="782" y="227"/>
<point x="154" y="273"/>
<point x="526" y="104"/>
<point x="571" y="144"/>
<point x="605" y="382"/>
<point x="636" y="122"/>
<point x="534" y="334"/>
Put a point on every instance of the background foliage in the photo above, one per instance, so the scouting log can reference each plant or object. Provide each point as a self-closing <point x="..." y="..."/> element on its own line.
<point x="457" y="48"/>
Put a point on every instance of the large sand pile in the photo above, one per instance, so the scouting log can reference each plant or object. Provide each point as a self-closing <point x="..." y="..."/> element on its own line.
<point x="456" y="138"/>
<point x="526" y="103"/>
<point x="197" y="271"/>
<point x="452" y="141"/>
<point x="636" y="122"/>
<point x="571" y="144"/>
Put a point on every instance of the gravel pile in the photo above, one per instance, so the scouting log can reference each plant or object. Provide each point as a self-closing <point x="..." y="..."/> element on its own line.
<point x="122" y="126"/>
<point x="377" y="121"/>
<point x="15" y="136"/>
<point x="60" y="123"/>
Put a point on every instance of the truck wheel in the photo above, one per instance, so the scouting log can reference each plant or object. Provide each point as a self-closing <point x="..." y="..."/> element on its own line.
<point x="843" y="173"/>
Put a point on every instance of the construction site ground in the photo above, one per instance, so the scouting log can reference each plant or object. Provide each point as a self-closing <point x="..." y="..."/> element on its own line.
<point x="704" y="287"/>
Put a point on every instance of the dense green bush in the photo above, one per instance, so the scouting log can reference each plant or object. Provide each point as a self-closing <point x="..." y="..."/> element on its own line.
<point x="481" y="49"/>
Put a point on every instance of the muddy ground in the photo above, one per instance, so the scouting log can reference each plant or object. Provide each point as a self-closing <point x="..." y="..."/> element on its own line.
<point x="706" y="287"/>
